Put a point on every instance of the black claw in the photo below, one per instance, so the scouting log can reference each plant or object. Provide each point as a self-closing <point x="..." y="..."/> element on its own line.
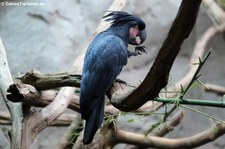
<point x="140" y="49"/>
<point x="120" y="81"/>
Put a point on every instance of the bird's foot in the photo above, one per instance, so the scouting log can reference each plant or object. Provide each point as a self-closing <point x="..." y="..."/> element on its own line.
<point x="138" y="51"/>
<point x="120" y="81"/>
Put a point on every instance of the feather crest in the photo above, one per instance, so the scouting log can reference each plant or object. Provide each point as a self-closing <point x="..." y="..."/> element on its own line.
<point x="121" y="17"/>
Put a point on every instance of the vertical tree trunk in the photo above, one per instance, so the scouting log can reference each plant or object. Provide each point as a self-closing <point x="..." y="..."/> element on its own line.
<point x="15" y="109"/>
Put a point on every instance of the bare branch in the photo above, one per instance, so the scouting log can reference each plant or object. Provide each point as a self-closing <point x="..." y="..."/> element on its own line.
<point x="120" y="136"/>
<point x="14" y="108"/>
<point x="214" y="11"/>
<point x="220" y="90"/>
<point x="63" y="120"/>
<point x="47" y="115"/>
<point x="30" y="96"/>
<point x="169" y="125"/>
<point x="34" y="122"/>
<point x="50" y="81"/>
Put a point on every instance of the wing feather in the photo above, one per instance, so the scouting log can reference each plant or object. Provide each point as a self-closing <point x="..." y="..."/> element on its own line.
<point x="104" y="60"/>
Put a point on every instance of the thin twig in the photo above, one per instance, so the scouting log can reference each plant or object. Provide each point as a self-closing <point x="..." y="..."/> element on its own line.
<point x="203" y="113"/>
<point x="196" y="74"/>
<point x="196" y="102"/>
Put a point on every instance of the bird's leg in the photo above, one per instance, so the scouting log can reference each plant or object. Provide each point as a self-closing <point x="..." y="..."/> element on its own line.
<point x="138" y="51"/>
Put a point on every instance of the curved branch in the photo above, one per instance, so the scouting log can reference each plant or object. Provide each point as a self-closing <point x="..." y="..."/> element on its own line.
<point x="120" y="136"/>
<point x="35" y="122"/>
<point x="158" y="75"/>
<point x="169" y="125"/>
<point x="51" y="112"/>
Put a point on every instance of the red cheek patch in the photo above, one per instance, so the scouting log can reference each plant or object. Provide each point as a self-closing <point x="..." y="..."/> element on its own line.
<point x="134" y="31"/>
<point x="134" y="34"/>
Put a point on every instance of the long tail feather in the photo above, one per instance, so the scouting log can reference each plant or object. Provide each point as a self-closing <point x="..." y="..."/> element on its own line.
<point x="93" y="122"/>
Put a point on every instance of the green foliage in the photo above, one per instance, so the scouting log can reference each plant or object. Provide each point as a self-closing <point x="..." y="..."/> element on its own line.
<point x="111" y="119"/>
<point x="131" y="120"/>
<point x="180" y="101"/>
<point x="76" y="132"/>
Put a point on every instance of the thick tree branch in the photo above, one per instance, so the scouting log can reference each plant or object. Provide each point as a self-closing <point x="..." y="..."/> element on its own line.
<point x="120" y="136"/>
<point x="35" y="122"/>
<point x="63" y="120"/>
<point x="30" y="96"/>
<point x="15" y="109"/>
<point x="158" y="75"/>
<point x="50" y="81"/>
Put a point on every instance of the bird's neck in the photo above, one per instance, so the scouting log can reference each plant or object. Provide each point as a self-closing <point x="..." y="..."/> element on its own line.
<point x="122" y="31"/>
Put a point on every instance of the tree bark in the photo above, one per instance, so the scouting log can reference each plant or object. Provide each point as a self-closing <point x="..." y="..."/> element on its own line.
<point x="15" y="109"/>
<point x="50" y="81"/>
<point x="157" y="77"/>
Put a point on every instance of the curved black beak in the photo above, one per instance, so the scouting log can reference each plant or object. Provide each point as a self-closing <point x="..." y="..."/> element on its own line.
<point x="143" y="35"/>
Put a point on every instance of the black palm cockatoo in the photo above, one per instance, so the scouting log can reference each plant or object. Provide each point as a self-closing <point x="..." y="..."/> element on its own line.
<point x="104" y="60"/>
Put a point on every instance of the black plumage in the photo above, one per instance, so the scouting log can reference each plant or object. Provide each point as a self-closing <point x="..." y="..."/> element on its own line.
<point x="104" y="60"/>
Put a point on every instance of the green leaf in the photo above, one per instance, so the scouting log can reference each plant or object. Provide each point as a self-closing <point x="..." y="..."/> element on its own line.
<point x="201" y="85"/>
<point x="131" y="120"/>
<point x="193" y="85"/>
